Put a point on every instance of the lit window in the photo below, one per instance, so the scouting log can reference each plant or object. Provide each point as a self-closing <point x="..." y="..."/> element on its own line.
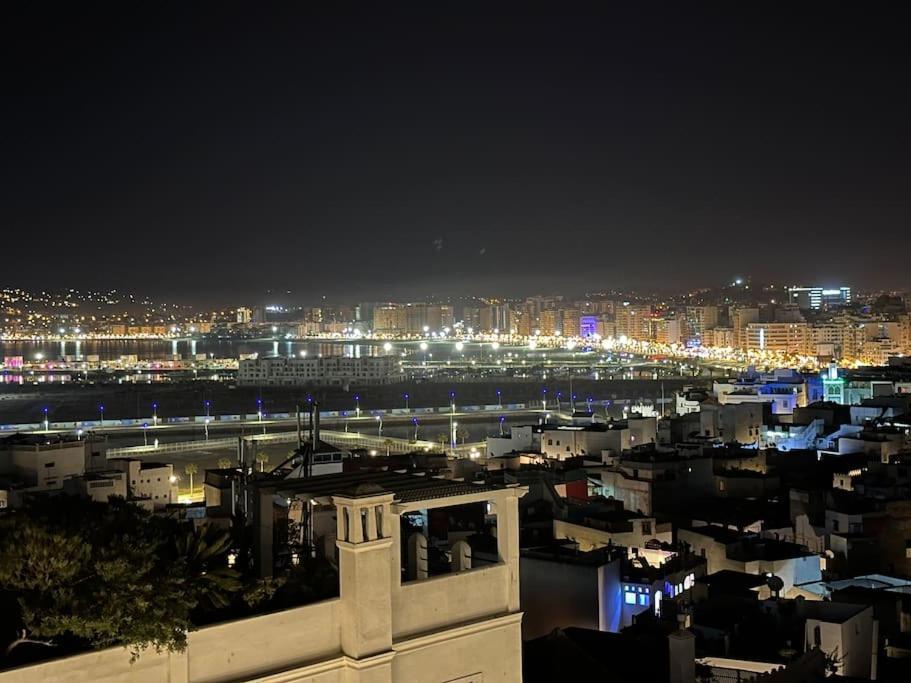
<point x="643" y="600"/>
<point x="630" y="598"/>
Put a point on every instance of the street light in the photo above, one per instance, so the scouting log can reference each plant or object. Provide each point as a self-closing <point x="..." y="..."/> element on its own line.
<point x="357" y="405"/>
<point x="101" y="410"/>
<point x="502" y="420"/>
<point x="499" y="399"/>
<point x="414" y="421"/>
<point x="208" y="404"/>
<point x="155" y="414"/>
<point x="47" y="426"/>
<point x="452" y="423"/>
<point x="544" y="398"/>
<point x="379" y="426"/>
<point x="145" y="433"/>
<point x="405" y="396"/>
<point x="259" y="409"/>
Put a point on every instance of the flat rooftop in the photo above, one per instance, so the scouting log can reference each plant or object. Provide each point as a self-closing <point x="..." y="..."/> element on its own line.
<point x="831" y="612"/>
<point x="32" y="439"/>
<point x="406" y="488"/>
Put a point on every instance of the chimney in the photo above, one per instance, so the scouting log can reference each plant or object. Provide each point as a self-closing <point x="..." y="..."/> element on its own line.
<point x="681" y="657"/>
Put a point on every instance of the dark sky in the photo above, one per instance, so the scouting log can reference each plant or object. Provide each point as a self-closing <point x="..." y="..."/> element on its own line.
<point x="211" y="154"/>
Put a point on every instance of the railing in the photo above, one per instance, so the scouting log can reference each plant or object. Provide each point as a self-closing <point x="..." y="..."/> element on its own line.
<point x="255" y="418"/>
<point x="381" y="444"/>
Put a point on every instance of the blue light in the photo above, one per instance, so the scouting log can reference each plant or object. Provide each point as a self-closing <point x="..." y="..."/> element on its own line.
<point x="643" y="600"/>
<point x="629" y="598"/>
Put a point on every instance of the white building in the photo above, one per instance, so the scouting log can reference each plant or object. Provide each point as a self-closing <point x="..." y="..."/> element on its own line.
<point x="149" y="483"/>
<point x="734" y="422"/>
<point x="726" y="549"/>
<point x="331" y="370"/>
<point x="459" y="627"/>
<point x="97" y="486"/>
<point x="42" y="463"/>
<point x="520" y="438"/>
<point x="846" y="631"/>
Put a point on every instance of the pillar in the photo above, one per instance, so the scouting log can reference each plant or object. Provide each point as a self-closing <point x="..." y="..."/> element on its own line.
<point x="507" y="511"/>
<point x="366" y="564"/>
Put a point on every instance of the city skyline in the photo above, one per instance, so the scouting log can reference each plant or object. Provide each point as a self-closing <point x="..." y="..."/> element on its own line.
<point x="407" y="151"/>
<point x="423" y="342"/>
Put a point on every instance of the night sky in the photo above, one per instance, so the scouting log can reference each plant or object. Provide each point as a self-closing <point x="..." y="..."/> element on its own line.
<point x="212" y="154"/>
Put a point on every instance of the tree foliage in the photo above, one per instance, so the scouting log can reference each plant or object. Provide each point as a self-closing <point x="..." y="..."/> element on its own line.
<point x="102" y="574"/>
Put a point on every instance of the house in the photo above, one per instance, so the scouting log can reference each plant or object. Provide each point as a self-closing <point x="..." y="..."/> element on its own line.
<point x="846" y="632"/>
<point x="749" y="553"/>
<point x="394" y="619"/>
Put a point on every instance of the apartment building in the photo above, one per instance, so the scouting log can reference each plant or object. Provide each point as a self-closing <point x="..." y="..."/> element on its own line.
<point x="330" y="370"/>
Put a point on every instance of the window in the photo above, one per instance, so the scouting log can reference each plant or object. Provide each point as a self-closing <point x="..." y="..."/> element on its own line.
<point x="630" y="598"/>
<point x="643" y="600"/>
<point x="48" y="464"/>
<point x="646" y="528"/>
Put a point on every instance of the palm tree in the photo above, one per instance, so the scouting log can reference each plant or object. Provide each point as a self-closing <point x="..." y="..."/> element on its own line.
<point x="463" y="434"/>
<point x="262" y="459"/>
<point x="443" y="437"/>
<point x="202" y="550"/>
<point x="224" y="463"/>
<point x="191" y="468"/>
<point x="388" y="444"/>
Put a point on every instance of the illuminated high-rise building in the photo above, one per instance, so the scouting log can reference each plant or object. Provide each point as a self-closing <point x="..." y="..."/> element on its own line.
<point x="816" y="298"/>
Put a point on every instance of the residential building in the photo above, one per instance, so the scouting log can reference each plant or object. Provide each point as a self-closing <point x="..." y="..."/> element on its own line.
<point x="632" y="321"/>
<point x="740" y="318"/>
<point x="751" y="554"/>
<point x="327" y="370"/>
<point x="783" y="337"/>
<point x="152" y="484"/>
<point x="391" y="621"/>
<point x="38" y="462"/>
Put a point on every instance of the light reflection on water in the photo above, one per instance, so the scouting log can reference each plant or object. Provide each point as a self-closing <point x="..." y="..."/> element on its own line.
<point x="165" y="349"/>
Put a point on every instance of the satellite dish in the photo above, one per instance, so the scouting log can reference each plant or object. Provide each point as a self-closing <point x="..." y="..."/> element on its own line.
<point x="774" y="583"/>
